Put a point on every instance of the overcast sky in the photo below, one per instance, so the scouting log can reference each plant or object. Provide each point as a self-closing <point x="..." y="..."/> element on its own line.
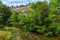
<point x="18" y="2"/>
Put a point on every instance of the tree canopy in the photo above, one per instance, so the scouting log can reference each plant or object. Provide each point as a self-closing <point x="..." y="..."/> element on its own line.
<point x="4" y="13"/>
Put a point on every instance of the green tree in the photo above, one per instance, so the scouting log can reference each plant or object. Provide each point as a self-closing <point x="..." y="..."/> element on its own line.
<point x="13" y="20"/>
<point x="54" y="3"/>
<point x="4" y="13"/>
<point x="40" y="11"/>
<point x="44" y="18"/>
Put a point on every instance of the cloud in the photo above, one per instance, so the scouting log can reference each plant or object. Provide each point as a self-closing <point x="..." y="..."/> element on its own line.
<point x="10" y="2"/>
<point x="17" y="2"/>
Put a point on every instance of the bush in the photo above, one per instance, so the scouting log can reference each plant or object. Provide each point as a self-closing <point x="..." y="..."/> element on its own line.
<point x="4" y="13"/>
<point x="41" y="29"/>
<point x="15" y="32"/>
<point x="41" y="18"/>
<point x="12" y="29"/>
<point x="53" y="29"/>
<point x="13" y="20"/>
<point x="5" y="35"/>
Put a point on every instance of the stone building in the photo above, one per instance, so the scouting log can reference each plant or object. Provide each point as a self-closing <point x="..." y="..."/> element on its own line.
<point x="20" y="8"/>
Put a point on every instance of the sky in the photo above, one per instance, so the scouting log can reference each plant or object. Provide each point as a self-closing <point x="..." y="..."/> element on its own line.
<point x="18" y="2"/>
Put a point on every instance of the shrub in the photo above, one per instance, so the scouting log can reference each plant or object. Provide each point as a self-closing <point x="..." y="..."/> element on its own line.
<point x="41" y="18"/>
<point x="12" y="29"/>
<point x="41" y="29"/>
<point x="4" y="13"/>
<point x="15" y="32"/>
<point x="13" y="20"/>
<point x="53" y="29"/>
<point x="5" y="35"/>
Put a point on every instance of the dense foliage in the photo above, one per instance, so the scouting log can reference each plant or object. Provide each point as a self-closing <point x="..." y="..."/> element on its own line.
<point x="4" y="14"/>
<point x="41" y="18"/>
<point x="10" y="33"/>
